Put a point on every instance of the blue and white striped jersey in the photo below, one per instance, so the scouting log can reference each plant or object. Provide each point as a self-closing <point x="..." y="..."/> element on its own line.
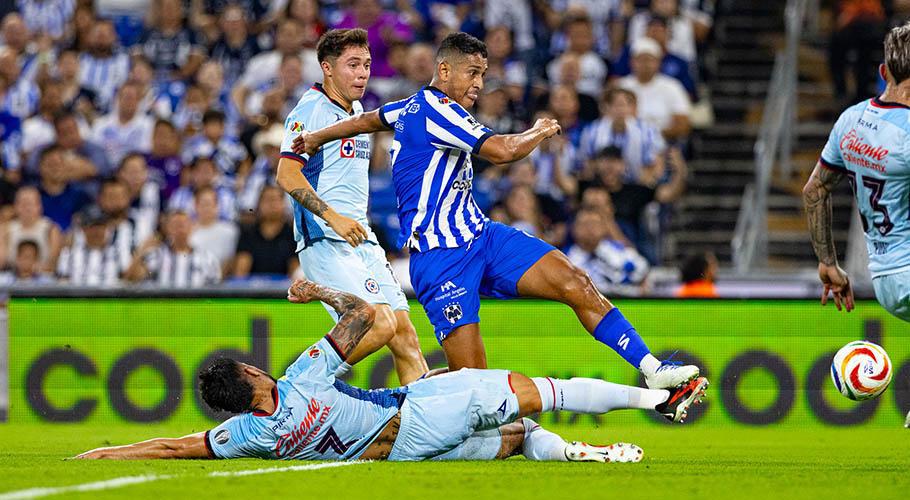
<point x="338" y="171"/>
<point x="47" y="17"/>
<point x="432" y="172"/>
<point x="869" y="144"/>
<point x="641" y="143"/>
<point x="104" y="75"/>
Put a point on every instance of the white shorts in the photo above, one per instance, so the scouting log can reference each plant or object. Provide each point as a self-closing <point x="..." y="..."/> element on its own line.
<point x="362" y="271"/>
<point x="893" y="293"/>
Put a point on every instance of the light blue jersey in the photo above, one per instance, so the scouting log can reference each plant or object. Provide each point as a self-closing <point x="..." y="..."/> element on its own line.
<point x="338" y="171"/>
<point x="316" y="417"/>
<point x="432" y="172"/>
<point x="870" y="144"/>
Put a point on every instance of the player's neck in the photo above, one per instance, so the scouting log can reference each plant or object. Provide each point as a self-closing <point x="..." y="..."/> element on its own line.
<point x="899" y="94"/>
<point x="335" y="95"/>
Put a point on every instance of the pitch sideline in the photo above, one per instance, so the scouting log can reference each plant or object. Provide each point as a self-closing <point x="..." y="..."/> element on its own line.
<point x="119" y="482"/>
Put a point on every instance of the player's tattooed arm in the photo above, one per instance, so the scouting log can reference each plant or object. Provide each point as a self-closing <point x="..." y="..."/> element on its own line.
<point x="355" y="315"/>
<point x="310" y="200"/>
<point x="817" y="198"/>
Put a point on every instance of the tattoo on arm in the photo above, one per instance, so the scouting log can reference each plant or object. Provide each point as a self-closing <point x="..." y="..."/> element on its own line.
<point x="310" y="200"/>
<point x="355" y="318"/>
<point x="817" y="197"/>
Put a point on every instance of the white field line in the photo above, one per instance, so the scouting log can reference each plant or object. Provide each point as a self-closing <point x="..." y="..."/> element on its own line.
<point x="120" y="482"/>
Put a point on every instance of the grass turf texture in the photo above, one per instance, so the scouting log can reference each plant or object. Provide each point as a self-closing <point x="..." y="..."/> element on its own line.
<point x="695" y="462"/>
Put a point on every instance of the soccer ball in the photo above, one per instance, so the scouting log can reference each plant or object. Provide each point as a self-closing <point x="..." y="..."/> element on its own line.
<point x="861" y="370"/>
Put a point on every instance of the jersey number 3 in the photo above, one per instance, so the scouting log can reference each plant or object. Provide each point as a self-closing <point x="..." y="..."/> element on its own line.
<point x="877" y="188"/>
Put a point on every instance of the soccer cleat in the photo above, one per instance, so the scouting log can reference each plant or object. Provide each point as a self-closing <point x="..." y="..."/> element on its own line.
<point x="669" y="375"/>
<point x="576" y="451"/>
<point x="675" y="408"/>
<point x="907" y="421"/>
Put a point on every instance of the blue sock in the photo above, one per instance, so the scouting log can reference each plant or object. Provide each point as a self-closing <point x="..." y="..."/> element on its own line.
<point x="615" y="331"/>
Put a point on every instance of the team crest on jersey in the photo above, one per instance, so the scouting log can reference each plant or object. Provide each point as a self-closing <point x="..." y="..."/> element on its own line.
<point x="371" y="286"/>
<point x="348" y="148"/>
<point x="453" y="312"/>
<point x="296" y="127"/>
<point x="222" y="436"/>
<point x="314" y="353"/>
<point x="444" y="100"/>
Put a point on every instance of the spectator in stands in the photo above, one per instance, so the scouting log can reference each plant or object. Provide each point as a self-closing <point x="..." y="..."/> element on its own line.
<point x="219" y="237"/>
<point x="210" y="79"/>
<point x="641" y="143"/>
<point x="30" y="224"/>
<point x="608" y="18"/>
<point x="539" y="213"/>
<point x="175" y="50"/>
<point x="701" y="12"/>
<point x="272" y="112"/>
<point x="22" y="94"/>
<point x="289" y="81"/>
<point x="267" y="248"/>
<point x="124" y="130"/>
<point x="555" y="166"/>
<point x="85" y="159"/>
<point x="227" y="152"/>
<point x="164" y="162"/>
<point x="38" y="131"/>
<point x="47" y="17"/>
<point x="522" y="211"/>
<point x="144" y="195"/>
<point x="682" y="29"/>
<point x="59" y="197"/>
<point x="419" y="65"/>
<point x="204" y="174"/>
<point x="859" y="27"/>
<point x="202" y="13"/>
<point x="77" y="98"/>
<point x="564" y="105"/>
<point x="174" y="263"/>
<point x="14" y="35"/>
<point x="630" y="198"/>
<point x="662" y="101"/>
<point x="103" y="68"/>
<point x="493" y="110"/>
<point x="698" y="274"/>
<point x="92" y="258"/>
<point x="266" y="144"/>
<point x="83" y="23"/>
<point x="592" y="68"/>
<point x="671" y="64"/>
<point x="613" y="266"/>
<point x="236" y="46"/>
<point x="503" y="66"/>
<point x="10" y="139"/>
<point x="597" y="198"/>
<point x="306" y="13"/>
<point x="383" y="29"/>
<point x="26" y="268"/>
<point x="126" y="233"/>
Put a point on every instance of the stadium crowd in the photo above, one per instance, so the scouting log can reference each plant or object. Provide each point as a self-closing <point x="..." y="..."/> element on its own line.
<point x="140" y="139"/>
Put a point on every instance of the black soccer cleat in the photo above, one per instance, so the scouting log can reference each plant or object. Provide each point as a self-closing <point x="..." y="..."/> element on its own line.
<point x="675" y="408"/>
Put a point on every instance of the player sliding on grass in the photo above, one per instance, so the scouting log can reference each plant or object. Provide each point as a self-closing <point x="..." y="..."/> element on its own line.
<point x="470" y="414"/>
<point x="330" y="188"/>
<point x="457" y="253"/>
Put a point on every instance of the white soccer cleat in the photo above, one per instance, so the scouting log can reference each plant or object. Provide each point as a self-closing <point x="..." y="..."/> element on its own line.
<point x="907" y="421"/>
<point x="576" y="451"/>
<point x="669" y="376"/>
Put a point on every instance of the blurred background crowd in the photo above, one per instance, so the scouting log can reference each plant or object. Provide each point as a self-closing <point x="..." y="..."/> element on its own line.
<point x="140" y="139"/>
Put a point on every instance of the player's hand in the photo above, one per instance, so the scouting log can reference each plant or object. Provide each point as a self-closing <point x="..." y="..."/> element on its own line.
<point x="302" y="291"/>
<point x="347" y="228"/>
<point x="549" y="125"/>
<point x="304" y="144"/>
<point x="836" y="281"/>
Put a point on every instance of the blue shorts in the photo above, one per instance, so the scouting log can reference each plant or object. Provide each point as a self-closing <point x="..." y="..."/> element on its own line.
<point x="449" y="281"/>
<point x="893" y="292"/>
<point x="442" y="412"/>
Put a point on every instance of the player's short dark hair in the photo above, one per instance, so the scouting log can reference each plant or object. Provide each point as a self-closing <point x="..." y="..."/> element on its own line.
<point x="460" y="43"/>
<point x="224" y="388"/>
<point x="334" y="42"/>
<point x="610" y="153"/>
<point x="213" y="115"/>
<point x="694" y="267"/>
<point x="897" y="52"/>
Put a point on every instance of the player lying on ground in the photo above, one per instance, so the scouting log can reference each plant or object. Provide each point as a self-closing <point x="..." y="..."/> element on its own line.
<point x="331" y="191"/>
<point x="456" y="252"/>
<point x="470" y="414"/>
<point x="867" y="146"/>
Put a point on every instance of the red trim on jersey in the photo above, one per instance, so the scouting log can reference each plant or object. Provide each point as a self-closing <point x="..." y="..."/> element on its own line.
<point x="341" y="354"/>
<point x="876" y="102"/>
<point x="293" y="156"/>
<point x="510" y="384"/>
<point x="831" y="166"/>
<point x="208" y="445"/>
<point x="257" y="413"/>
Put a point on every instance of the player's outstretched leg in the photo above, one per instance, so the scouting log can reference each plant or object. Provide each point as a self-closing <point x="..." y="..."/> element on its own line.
<point x="409" y="361"/>
<point x="553" y="277"/>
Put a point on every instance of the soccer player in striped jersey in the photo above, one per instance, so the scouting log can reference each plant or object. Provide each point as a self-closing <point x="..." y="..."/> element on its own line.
<point x="330" y="188"/>
<point x="457" y="253"/>
<point x="308" y="414"/>
<point x="867" y="146"/>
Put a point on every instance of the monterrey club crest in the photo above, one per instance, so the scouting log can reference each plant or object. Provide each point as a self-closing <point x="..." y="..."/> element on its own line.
<point x="347" y="148"/>
<point x="453" y="312"/>
<point x="372" y="286"/>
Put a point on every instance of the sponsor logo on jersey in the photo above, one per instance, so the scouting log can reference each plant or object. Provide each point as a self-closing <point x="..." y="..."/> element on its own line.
<point x="222" y="437"/>
<point x="347" y="148"/>
<point x="444" y="100"/>
<point x="447" y="286"/>
<point x="854" y="143"/>
<point x="414" y="107"/>
<point x="372" y="286"/>
<point x="314" y="353"/>
<point x="453" y="312"/>
<point x="304" y="434"/>
<point x="296" y="127"/>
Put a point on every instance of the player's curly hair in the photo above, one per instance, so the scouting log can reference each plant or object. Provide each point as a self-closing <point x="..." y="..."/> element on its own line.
<point x="333" y="43"/>
<point x="897" y="52"/>
<point x="460" y="43"/>
<point x="223" y="387"/>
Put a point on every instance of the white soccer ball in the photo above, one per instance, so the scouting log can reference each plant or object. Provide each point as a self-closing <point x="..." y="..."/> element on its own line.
<point x="861" y="370"/>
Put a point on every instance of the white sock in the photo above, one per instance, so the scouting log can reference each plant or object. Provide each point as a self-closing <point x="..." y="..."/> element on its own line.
<point x="541" y="444"/>
<point x="588" y="395"/>
<point x="342" y="370"/>
<point x="649" y="364"/>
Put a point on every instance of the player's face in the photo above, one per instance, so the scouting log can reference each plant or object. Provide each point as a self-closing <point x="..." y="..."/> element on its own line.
<point x="466" y="79"/>
<point x="351" y="72"/>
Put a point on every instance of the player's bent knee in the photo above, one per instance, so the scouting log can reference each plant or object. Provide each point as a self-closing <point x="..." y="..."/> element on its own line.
<point x="384" y="325"/>
<point x="525" y="390"/>
<point x="576" y="287"/>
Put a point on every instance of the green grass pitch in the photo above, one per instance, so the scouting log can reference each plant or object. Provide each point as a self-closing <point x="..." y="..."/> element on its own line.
<point x="702" y="462"/>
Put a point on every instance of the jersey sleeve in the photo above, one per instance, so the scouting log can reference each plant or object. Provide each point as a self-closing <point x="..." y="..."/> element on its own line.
<point x="233" y="438"/>
<point x="450" y="126"/>
<point x="307" y="116"/>
<point x="831" y="157"/>
<point x="293" y="126"/>
<point x="317" y="365"/>
<point x="388" y="113"/>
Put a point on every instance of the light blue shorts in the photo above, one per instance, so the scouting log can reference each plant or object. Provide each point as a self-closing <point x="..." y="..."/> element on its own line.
<point x="441" y="412"/>
<point x="362" y="271"/>
<point x="893" y="293"/>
